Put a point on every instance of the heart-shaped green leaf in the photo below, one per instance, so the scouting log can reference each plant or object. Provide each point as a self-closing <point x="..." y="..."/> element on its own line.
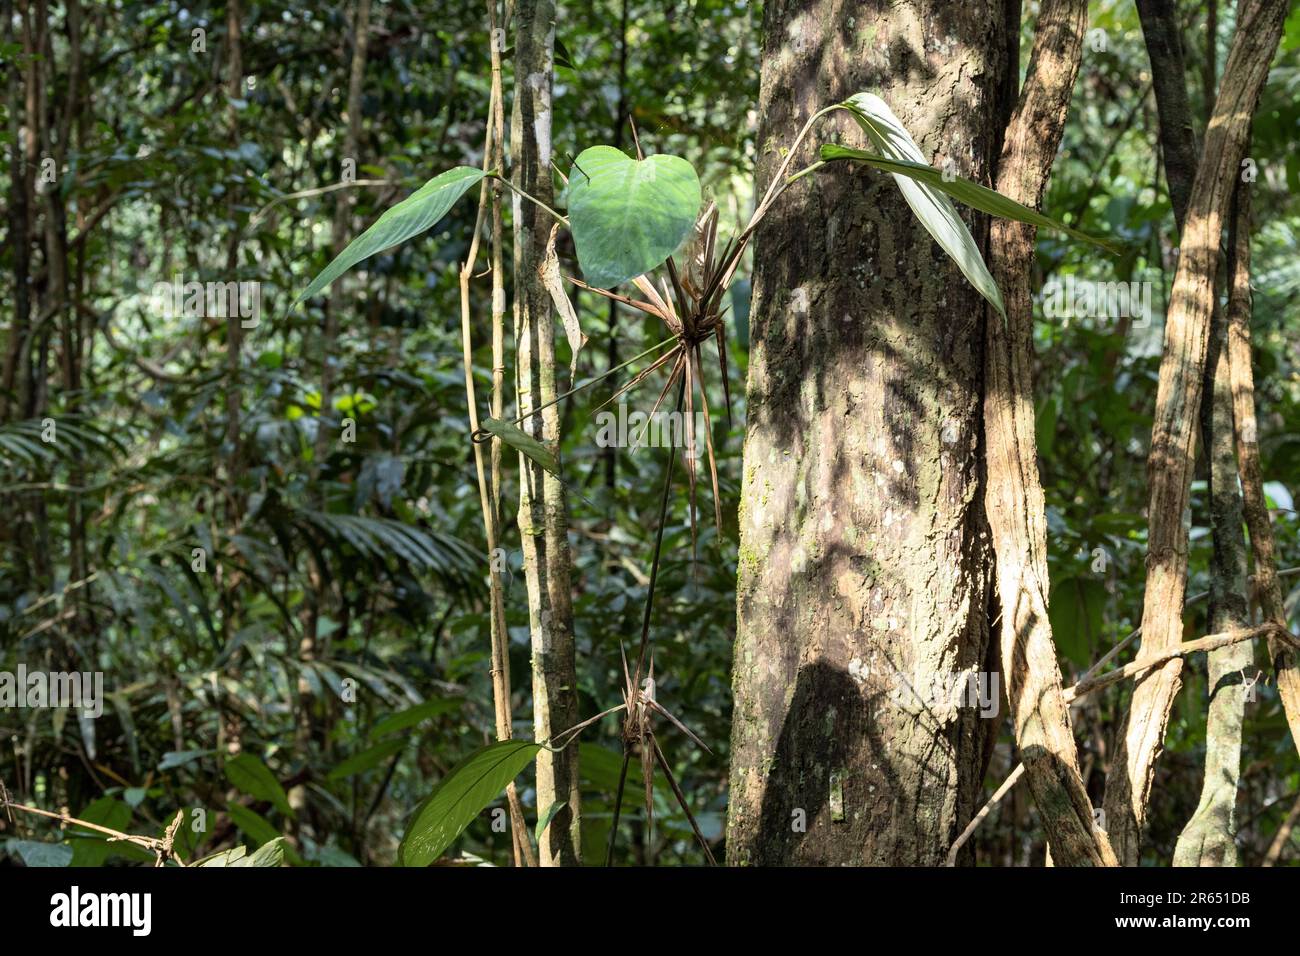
<point x="627" y="215"/>
<point x="460" y="796"/>
<point x="410" y="217"/>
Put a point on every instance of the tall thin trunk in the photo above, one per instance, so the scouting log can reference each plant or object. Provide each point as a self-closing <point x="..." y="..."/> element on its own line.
<point x="335" y="302"/>
<point x="1168" y="78"/>
<point x="19" y="240"/>
<point x="1209" y="838"/>
<point x="1178" y="398"/>
<point x="543" y="512"/>
<point x="863" y="581"/>
<point x="231" y="734"/>
<point x="1013" y="494"/>
<point x="1268" y="587"/>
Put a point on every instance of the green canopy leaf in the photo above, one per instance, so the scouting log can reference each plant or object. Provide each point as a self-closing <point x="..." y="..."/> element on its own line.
<point x="460" y="796"/>
<point x="627" y="215"/>
<point x="366" y="759"/>
<point x="249" y="775"/>
<point x="410" y="217"/>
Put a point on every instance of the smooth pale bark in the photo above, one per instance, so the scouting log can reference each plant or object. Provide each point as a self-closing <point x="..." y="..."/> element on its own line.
<point x="1178" y="399"/>
<point x="1013" y="496"/>
<point x="543" y="513"/>
<point x="863" y="567"/>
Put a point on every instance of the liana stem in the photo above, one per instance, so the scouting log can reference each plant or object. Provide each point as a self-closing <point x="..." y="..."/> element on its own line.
<point x="562" y="220"/>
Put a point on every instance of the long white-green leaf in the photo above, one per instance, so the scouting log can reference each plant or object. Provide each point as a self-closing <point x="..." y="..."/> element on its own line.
<point x="461" y="796"/>
<point x="964" y="191"/>
<point x="545" y="819"/>
<point x="410" y="217"/>
<point x="934" y="210"/>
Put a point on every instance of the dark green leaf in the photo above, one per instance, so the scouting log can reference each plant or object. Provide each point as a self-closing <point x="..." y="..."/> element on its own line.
<point x="255" y="826"/>
<point x="412" y="716"/>
<point x="520" y="441"/>
<point x="461" y="796"/>
<point x="249" y="775"/>
<point x="363" y="761"/>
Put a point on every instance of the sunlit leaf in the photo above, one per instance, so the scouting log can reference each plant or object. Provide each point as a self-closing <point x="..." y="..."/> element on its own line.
<point x="627" y="215"/>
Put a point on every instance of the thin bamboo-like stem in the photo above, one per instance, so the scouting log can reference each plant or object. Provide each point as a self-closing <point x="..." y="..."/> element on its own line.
<point x="496" y="157"/>
<point x="618" y="806"/>
<point x="681" y="799"/>
<point x="523" y="851"/>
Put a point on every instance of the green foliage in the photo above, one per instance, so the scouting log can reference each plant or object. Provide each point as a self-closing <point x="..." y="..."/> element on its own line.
<point x="412" y="216"/>
<point x="460" y="796"/>
<point x="629" y="215"/>
<point x="522" y="442"/>
<point x="249" y="775"/>
<point x="374" y="548"/>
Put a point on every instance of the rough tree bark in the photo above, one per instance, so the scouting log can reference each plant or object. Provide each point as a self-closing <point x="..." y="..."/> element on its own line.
<point x="1178" y="398"/>
<point x="863" y="546"/>
<point x="1208" y="839"/>
<point x="1268" y="587"/>
<point x="543" y="513"/>
<point x="1013" y="496"/>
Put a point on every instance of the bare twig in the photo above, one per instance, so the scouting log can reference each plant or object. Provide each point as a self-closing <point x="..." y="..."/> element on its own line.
<point x="162" y="848"/>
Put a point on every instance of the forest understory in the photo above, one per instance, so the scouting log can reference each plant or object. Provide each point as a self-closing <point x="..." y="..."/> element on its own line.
<point x="683" y="433"/>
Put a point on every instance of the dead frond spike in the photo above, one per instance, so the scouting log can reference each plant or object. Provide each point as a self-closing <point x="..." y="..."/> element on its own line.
<point x="681" y="800"/>
<point x="661" y="709"/>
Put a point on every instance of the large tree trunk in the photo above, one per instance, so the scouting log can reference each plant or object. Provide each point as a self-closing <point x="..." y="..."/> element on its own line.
<point x="863" y="573"/>
<point x="543" y="513"/>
